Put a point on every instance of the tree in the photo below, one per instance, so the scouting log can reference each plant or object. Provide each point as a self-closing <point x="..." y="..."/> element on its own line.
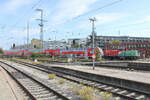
<point x="115" y="41"/>
<point x="1" y="51"/>
<point x="99" y="53"/>
<point x="35" y="55"/>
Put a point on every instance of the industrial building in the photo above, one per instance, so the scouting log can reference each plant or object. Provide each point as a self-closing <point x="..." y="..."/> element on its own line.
<point x="62" y="44"/>
<point x="101" y="41"/>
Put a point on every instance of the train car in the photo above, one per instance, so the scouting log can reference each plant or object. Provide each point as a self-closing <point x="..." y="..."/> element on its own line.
<point x="52" y="52"/>
<point x="69" y="52"/>
<point x="12" y="53"/>
<point x="73" y="52"/>
<point x="37" y="51"/>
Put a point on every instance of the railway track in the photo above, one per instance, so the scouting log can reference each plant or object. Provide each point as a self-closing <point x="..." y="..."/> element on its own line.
<point x="36" y="88"/>
<point x="127" y="94"/>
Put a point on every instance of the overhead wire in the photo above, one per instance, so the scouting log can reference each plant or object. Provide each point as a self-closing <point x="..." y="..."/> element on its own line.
<point x="94" y="10"/>
<point x="27" y="11"/>
<point x="35" y="5"/>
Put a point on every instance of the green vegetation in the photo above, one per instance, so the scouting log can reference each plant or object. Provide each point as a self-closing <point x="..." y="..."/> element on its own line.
<point x="98" y="53"/>
<point x="51" y="76"/>
<point x="86" y="93"/>
<point x="34" y="55"/>
<point x="115" y="42"/>
<point x="1" y="51"/>
<point x="106" y="95"/>
<point x="61" y="81"/>
<point x="75" y="89"/>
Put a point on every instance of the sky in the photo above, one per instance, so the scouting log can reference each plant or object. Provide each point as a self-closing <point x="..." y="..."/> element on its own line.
<point x="70" y="19"/>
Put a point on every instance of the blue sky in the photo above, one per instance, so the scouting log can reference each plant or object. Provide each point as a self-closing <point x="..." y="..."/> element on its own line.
<point x="130" y="17"/>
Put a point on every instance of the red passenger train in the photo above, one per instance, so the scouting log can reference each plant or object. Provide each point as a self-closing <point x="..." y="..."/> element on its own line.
<point x="52" y="52"/>
<point x="83" y="53"/>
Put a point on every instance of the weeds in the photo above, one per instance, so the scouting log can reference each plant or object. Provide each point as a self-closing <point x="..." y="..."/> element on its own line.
<point x="117" y="98"/>
<point x="61" y="81"/>
<point x="75" y="89"/>
<point x="51" y="76"/>
<point x="86" y="93"/>
<point x="106" y="95"/>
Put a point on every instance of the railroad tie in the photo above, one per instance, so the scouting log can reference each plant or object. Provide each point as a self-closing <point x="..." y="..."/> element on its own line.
<point x="131" y="94"/>
<point x="102" y="86"/>
<point x="122" y="92"/>
<point x="141" y="97"/>
<point x="108" y="88"/>
<point x="115" y="90"/>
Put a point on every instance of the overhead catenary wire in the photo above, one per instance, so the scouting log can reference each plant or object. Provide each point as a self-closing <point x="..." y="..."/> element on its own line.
<point x="27" y="11"/>
<point x="94" y="10"/>
<point x="22" y="16"/>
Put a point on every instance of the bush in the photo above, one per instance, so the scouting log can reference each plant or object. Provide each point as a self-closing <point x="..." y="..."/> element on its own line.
<point x="86" y="93"/>
<point x="35" y="55"/>
<point x="75" y="89"/>
<point x="51" y="76"/>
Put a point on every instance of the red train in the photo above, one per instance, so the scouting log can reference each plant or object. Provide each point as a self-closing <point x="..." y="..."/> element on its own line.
<point x="53" y="52"/>
<point x="108" y="54"/>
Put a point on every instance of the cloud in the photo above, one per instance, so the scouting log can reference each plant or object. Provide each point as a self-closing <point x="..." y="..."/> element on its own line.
<point x="13" y="5"/>
<point x="103" y="18"/>
<point x="109" y="17"/>
<point x="143" y="20"/>
<point x="23" y="33"/>
<point x="68" y="9"/>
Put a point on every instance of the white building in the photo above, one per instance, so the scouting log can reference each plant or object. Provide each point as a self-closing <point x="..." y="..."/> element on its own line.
<point x="62" y="44"/>
<point x="79" y="41"/>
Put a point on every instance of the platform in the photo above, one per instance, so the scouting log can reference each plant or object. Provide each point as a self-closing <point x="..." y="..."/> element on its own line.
<point x="6" y="92"/>
<point x="143" y="77"/>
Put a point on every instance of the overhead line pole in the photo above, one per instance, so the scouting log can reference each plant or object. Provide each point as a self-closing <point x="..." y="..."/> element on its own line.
<point x="93" y="39"/>
<point x="28" y="35"/>
<point x="41" y="27"/>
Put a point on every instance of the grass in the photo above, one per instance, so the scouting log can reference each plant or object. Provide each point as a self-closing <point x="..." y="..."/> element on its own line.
<point x="86" y="93"/>
<point x="118" y="98"/>
<point x="51" y="76"/>
<point x="61" y="81"/>
<point x="75" y="89"/>
<point x="37" y="63"/>
<point x="106" y="95"/>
